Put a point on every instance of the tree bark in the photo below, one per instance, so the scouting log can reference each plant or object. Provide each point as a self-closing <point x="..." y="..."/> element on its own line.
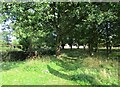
<point x="84" y="47"/>
<point x="58" y="46"/>
<point x="70" y="44"/>
<point x="78" y="46"/>
<point x="110" y="49"/>
<point x="71" y="47"/>
<point x="96" y="47"/>
<point x="90" y="48"/>
<point x="56" y="23"/>
<point x="63" y="46"/>
<point x="107" y="40"/>
<point x="107" y="49"/>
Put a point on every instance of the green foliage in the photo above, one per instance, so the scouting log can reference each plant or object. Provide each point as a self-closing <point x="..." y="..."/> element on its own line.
<point x="75" y="23"/>
<point x="15" y="42"/>
<point x="5" y="37"/>
<point x="25" y="42"/>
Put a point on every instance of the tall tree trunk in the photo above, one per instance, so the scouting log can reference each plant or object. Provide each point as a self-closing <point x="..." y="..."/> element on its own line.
<point x="70" y="46"/>
<point x="58" y="44"/>
<point x="62" y="43"/>
<point x="96" y="47"/>
<point x="78" y="46"/>
<point x="107" y="40"/>
<point x="90" y="48"/>
<point x="30" y="47"/>
<point x="56" y="23"/>
<point x="110" y="48"/>
<point x="84" y="47"/>
<point x="63" y="46"/>
<point x="107" y="49"/>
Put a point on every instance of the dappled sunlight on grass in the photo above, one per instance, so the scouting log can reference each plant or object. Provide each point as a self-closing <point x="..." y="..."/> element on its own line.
<point x="64" y="70"/>
<point x="31" y="72"/>
<point x="103" y="71"/>
<point x="0" y="76"/>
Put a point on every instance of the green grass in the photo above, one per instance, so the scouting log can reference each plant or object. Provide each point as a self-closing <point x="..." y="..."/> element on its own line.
<point x="30" y="72"/>
<point x="71" y="68"/>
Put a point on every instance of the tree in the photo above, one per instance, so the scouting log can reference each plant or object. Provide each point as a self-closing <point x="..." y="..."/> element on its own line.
<point x="26" y="18"/>
<point x="54" y="24"/>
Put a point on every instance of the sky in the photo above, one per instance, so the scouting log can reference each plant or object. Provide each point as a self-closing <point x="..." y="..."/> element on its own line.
<point x="0" y="28"/>
<point x="8" y="22"/>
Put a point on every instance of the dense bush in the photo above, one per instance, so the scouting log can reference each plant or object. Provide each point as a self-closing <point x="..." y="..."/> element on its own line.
<point x="22" y="55"/>
<point x="14" y="55"/>
<point x="47" y="52"/>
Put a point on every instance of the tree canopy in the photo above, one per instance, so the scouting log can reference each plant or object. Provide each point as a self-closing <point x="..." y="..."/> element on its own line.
<point x="54" y="24"/>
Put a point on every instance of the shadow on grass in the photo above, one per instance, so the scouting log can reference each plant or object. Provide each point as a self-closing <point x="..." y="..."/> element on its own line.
<point x="10" y="65"/>
<point x="77" y="78"/>
<point x="14" y="55"/>
<point x="81" y="53"/>
<point x="75" y="53"/>
<point x="73" y="60"/>
<point x="69" y="64"/>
